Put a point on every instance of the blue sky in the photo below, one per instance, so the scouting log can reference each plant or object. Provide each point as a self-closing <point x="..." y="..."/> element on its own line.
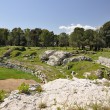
<point x="52" y="14"/>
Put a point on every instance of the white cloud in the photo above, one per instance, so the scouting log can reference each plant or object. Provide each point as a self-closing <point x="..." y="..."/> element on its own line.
<point x="69" y="29"/>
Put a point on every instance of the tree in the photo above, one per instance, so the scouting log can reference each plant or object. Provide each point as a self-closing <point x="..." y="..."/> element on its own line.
<point x="94" y="39"/>
<point x="56" y="40"/>
<point x="89" y="38"/>
<point x="27" y="37"/>
<point x="105" y="32"/>
<point x="4" y="36"/>
<point x="63" y="40"/>
<point x="35" y="36"/>
<point x="98" y="40"/>
<point x="17" y="35"/>
<point x="77" y="38"/>
<point x="47" y="38"/>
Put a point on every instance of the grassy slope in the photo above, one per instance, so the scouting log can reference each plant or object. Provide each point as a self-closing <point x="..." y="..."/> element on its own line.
<point x="50" y="71"/>
<point x="6" y="73"/>
<point x="82" y="67"/>
<point x="103" y="54"/>
<point x="55" y="72"/>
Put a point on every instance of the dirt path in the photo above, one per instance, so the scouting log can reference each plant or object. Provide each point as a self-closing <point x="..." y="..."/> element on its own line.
<point x="12" y="84"/>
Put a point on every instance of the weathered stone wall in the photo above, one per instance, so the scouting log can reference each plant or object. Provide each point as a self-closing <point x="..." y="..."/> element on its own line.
<point x="36" y="73"/>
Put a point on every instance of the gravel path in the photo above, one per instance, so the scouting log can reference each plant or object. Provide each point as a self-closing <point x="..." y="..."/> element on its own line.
<point x="12" y="84"/>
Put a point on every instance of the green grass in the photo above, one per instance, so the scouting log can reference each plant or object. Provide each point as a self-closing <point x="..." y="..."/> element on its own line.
<point x="103" y="54"/>
<point x="82" y="67"/>
<point x="50" y="71"/>
<point x="6" y="73"/>
<point x="3" y="50"/>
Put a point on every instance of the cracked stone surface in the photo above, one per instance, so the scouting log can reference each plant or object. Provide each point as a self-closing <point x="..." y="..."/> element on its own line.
<point x="61" y="93"/>
<point x="54" y="58"/>
<point x="104" y="61"/>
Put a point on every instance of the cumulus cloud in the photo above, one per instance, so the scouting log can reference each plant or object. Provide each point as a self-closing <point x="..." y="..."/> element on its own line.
<point x="69" y="29"/>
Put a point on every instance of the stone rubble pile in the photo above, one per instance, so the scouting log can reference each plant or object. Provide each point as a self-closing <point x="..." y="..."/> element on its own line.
<point x="63" y="94"/>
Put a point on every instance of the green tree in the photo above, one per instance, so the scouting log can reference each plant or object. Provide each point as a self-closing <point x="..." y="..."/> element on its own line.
<point x="105" y="32"/>
<point x="77" y="38"/>
<point x="27" y="36"/>
<point x="35" y="36"/>
<point x="56" y="40"/>
<point x="98" y="41"/>
<point x="93" y="39"/>
<point x="89" y="38"/>
<point x="16" y="36"/>
<point x="4" y="36"/>
<point x="63" y="40"/>
<point x="47" y="38"/>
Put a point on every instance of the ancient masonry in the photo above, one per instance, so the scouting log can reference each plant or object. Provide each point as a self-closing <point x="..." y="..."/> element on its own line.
<point x="35" y="72"/>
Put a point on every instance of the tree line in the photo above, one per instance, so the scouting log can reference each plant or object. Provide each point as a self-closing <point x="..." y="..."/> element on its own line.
<point x="92" y="39"/>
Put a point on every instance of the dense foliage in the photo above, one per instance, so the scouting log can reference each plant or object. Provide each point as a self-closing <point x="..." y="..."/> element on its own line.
<point x="93" y="39"/>
<point x="2" y="95"/>
<point x="24" y="88"/>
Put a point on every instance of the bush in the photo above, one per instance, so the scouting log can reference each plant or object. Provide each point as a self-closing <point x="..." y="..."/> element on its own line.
<point x="15" y="53"/>
<point x="69" y="66"/>
<point x="39" y="89"/>
<point x="6" y="48"/>
<point x="42" y="105"/>
<point x="2" y="95"/>
<point x="58" y="108"/>
<point x="99" y="107"/>
<point x="76" y="108"/>
<point x="16" y="48"/>
<point x="33" y="53"/>
<point x="24" y="88"/>
<point x="20" y="48"/>
<point x="28" y="47"/>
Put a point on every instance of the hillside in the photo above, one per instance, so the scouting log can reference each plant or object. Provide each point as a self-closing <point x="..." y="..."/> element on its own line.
<point x="56" y="76"/>
<point x="29" y="61"/>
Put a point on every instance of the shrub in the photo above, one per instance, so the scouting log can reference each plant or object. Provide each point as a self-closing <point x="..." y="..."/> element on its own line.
<point x="106" y="83"/>
<point x="99" y="107"/>
<point x="6" y="48"/>
<point x="58" y="108"/>
<point x="15" y="53"/>
<point x="20" y="48"/>
<point x="39" y="89"/>
<point x="16" y="48"/>
<point x="69" y="66"/>
<point x="33" y="53"/>
<point x="96" y="106"/>
<point x="42" y="105"/>
<point x="2" y="95"/>
<point x="28" y="47"/>
<point x="78" y="108"/>
<point x="24" y="88"/>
